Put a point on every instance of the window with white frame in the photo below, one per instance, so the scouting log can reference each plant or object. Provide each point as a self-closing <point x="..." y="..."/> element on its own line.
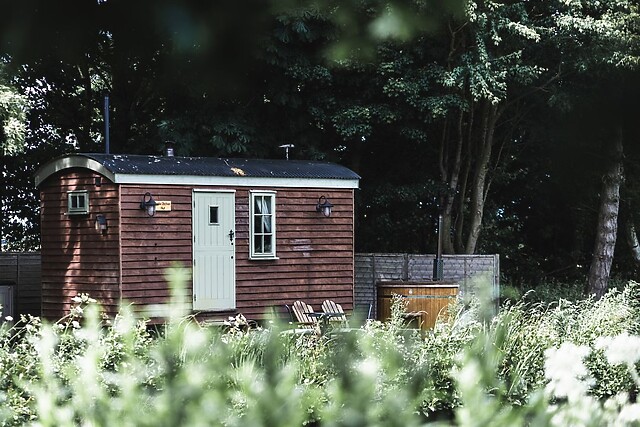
<point x="78" y="202"/>
<point x="262" y="221"/>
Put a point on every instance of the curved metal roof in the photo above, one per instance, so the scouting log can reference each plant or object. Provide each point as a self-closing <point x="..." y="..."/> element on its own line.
<point x="128" y="168"/>
<point x="211" y="166"/>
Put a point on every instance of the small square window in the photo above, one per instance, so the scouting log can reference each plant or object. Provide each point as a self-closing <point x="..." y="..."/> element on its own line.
<point x="77" y="202"/>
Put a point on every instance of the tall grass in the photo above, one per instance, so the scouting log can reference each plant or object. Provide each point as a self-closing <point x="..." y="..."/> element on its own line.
<point x="470" y="370"/>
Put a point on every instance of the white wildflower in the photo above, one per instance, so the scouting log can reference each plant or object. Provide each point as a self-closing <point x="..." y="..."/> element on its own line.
<point x="123" y="325"/>
<point x="579" y="412"/>
<point x="9" y="318"/>
<point x="469" y="375"/>
<point x="629" y="415"/>
<point x="614" y="403"/>
<point x="621" y="349"/>
<point x="194" y="340"/>
<point x="369" y="367"/>
<point x="75" y="324"/>
<point x="565" y="369"/>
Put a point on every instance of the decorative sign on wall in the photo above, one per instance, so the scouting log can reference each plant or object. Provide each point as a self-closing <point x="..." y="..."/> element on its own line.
<point x="163" y="206"/>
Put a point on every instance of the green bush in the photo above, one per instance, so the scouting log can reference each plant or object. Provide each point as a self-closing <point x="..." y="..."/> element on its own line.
<point x="550" y="291"/>
<point x="471" y="369"/>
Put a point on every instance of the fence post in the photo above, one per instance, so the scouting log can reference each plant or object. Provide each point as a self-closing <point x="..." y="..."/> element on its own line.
<point x="374" y="284"/>
<point x="405" y="267"/>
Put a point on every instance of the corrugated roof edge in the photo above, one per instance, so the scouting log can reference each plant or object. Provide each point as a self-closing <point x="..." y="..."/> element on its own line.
<point x="113" y="165"/>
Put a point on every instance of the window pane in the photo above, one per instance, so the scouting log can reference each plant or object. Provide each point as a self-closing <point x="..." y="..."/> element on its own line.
<point x="213" y="215"/>
<point x="266" y="205"/>
<point x="267" y="244"/>
<point x="257" y="205"/>
<point x="257" y="245"/>
<point x="77" y="201"/>
<point x="266" y="224"/>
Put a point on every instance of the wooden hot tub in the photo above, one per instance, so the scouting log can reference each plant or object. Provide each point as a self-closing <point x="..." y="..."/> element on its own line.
<point x="431" y="298"/>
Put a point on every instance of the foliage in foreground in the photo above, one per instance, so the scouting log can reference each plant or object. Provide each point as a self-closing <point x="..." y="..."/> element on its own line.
<point x="572" y="363"/>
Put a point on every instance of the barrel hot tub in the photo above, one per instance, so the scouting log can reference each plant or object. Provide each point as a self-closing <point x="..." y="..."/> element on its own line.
<point x="427" y="300"/>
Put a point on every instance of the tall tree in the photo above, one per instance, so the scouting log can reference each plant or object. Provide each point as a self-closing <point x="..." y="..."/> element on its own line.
<point x="600" y="41"/>
<point x="607" y="217"/>
<point x="13" y="130"/>
<point x="13" y="112"/>
<point x="458" y="92"/>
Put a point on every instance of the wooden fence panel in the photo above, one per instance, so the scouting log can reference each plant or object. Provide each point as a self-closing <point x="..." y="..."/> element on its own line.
<point x="470" y="272"/>
<point x="21" y="273"/>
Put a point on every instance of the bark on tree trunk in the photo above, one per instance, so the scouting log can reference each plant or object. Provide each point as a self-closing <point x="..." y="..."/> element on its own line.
<point x="460" y="224"/>
<point x="450" y="174"/>
<point x="632" y="240"/>
<point x="464" y="180"/>
<point x="479" y="180"/>
<point x="607" y="221"/>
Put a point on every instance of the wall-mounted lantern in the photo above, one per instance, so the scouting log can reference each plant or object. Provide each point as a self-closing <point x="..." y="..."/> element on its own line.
<point x="101" y="223"/>
<point x="324" y="206"/>
<point x="148" y="204"/>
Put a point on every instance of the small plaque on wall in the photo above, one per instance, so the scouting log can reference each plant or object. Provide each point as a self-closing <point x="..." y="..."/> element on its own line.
<point x="163" y="206"/>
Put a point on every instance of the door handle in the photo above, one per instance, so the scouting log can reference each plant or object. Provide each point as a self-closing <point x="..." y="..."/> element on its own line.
<point x="231" y="234"/>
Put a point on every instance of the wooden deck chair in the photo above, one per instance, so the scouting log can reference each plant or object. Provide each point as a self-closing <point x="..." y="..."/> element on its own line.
<point x="329" y="306"/>
<point x="301" y="311"/>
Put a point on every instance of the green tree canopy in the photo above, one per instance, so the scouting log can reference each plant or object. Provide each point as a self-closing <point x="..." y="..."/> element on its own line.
<point x="492" y="114"/>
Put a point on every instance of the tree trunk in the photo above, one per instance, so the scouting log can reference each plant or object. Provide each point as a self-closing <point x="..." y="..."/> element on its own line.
<point x="632" y="240"/>
<point x="462" y="197"/>
<point x="83" y="125"/>
<point x="450" y="174"/>
<point x="479" y="180"/>
<point x="607" y="221"/>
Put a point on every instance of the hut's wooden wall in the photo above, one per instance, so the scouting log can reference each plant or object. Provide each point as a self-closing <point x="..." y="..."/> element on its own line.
<point x="77" y="258"/>
<point x="129" y="262"/>
<point x="150" y="245"/>
<point x="315" y="253"/>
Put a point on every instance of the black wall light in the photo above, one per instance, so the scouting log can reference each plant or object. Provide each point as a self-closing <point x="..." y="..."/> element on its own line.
<point x="148" y="204"/>
<point x="101" y="223"/>
<point x="324" y="206"/>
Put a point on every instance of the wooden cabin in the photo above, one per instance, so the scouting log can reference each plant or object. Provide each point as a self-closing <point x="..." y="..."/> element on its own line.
<point x="254" y="233"/>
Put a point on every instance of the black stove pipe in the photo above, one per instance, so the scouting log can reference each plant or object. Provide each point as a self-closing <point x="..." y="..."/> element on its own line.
<point x="106" y="124"/>
<point x="437" y="262"/>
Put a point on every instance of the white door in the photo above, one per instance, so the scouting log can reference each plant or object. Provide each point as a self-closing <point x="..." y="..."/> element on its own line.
<point x="214" y="281"/>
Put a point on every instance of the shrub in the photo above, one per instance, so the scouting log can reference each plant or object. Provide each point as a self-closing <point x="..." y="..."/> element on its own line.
<point x="472" y="369"/>
<point x="568" y="388"/>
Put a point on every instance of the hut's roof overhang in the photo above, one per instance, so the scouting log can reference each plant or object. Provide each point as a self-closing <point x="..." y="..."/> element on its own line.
<point x="137" y="169"/>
